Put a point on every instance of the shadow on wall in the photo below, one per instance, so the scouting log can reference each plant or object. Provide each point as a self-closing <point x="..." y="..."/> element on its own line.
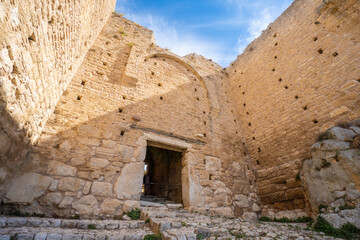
<point x="14" y="146"/>
<point x="79" y="168"/>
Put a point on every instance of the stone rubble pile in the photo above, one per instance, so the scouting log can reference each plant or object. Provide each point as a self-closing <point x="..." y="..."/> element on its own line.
<point x="331" y="177"/>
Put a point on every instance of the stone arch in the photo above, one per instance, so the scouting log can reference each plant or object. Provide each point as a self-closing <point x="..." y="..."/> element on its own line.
<point x="190" y="68"/>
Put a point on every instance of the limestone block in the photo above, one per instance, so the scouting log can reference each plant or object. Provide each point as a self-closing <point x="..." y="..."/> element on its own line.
<point x="61" y="169"/>
<point x="339" y="202"/>
<point x="87" y="205"/>
<point x="78" y="160"/>
<point x="131" y="204"/>
<point x="351" y="158"/>
<point x="110" y="205"/>
<point x="101" y="188"/>
<point x="334" y="219"/>
<point x="128" y="185"/>
<point x="219" y="184"/>
<point x="65" y="146"/>
<point x="53" y="198"/>
<point x="352" y="192"/>
<point x="98" y="163"/>
<point x="330" y="145"/>
<point x="54" y="236"/>
<point x="40" y="236"/>
<point x="27" y="187"/>
<point x="53" y="185"/>
<point x="249" y="216"/>
<point x="286" y="214"/>
<point x="253" y="197"/>
<point x="342" y="134"/>
<point x="222" y="211"/>
<point x="351" y="216"/>
<point x="87" y="187"/>
<point x="83" y="174"/>
<point x="212" y="163"/>
<point x="108" y="143"/>
<point x="70" y="184"/>
<point x="66" y="202"/>
<point x="126" y="152"/>
<point x="140" y="153"/>
<point x="294" y="193"/>
<point x="339" y="194"/>
<point x="174" y="206"/>
<point x="256" y="208"/>
<point x="71" y="237"/>
<point x="241" y="201"/>
<point x="322" y="183"/>
<point x="90" y="141"/>
<point x="319" y="154"/>
<point x="105" y="152"/>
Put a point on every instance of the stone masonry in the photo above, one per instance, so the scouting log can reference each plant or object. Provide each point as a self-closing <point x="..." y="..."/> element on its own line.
<point x="84" y="92"/>
<point x="299" y="78"/>
<point x="42" y="44"/>
<point x="127" y="94"/>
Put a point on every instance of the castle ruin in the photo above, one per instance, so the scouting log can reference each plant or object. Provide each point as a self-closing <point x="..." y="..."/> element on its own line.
<point x="89" y="103"/>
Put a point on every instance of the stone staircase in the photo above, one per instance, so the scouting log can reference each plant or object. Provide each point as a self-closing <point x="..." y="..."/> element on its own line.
<point x="170" y="221"/>
<point x="29" y="228"/>
<point x="175" y="223"/>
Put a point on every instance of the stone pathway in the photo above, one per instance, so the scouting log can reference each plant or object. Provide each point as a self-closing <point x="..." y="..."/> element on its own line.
<point x="171" y="221"/>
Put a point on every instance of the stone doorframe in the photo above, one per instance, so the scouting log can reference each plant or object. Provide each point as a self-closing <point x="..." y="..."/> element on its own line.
<point x="154" y="140"/>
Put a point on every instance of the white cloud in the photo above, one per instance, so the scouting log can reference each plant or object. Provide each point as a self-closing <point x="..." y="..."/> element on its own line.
<point x="260" y="23"/>
<point x="256" y="25"/>
<point x="168" y="36"/>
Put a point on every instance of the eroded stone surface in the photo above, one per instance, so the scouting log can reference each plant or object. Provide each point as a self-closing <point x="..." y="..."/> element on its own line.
<point x="125" y="189"/>
<point x="27" y="187"/>
<point x="87" y="205"/>
<point x="331" y="176"/>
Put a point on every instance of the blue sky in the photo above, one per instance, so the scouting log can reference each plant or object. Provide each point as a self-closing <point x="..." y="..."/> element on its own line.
<point x="216" y="29"/>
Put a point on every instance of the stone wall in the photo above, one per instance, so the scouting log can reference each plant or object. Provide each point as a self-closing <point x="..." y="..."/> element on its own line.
<point x="42" y="43"/>
<point x="297" y="79"/>
<point x="129" y="93"/>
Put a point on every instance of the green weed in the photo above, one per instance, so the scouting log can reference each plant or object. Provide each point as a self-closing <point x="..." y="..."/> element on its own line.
<point x="134" y="214"/>
<point x="153" y="237"/>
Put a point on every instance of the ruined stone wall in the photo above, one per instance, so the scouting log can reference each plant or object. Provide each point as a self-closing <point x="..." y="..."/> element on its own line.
<point x="297" y="79"/>
<point x="332" y="176"/>
<point x="42" y="43"/>
<point x="129" y="93"/>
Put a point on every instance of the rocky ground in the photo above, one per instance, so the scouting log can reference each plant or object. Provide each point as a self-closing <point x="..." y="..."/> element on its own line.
<point x="170" y="221"/>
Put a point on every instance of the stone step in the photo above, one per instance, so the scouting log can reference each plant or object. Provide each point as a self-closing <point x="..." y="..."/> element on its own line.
<point x="155" y="212"/>
<point x="6" y="222"/>
<point x="174" y="206"/>
<point x="29" y="233"/>
<point x="151" y="204"/>
<point x="163" y="224"/>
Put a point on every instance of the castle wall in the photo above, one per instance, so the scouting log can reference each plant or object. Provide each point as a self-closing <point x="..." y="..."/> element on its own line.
<point x="297" y="79"/>
<point x="128" y="94"/>
<point x="42" y="44"/>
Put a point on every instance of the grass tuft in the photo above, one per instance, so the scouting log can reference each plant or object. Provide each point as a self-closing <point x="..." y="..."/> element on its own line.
<point x="91" y="226"/>
<point x="325" y="136"/>
<point x="134" y="214"/>
<point x="347" y="231"/>
<point x="153" y="237"/>
<point x="264" y="219"/>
